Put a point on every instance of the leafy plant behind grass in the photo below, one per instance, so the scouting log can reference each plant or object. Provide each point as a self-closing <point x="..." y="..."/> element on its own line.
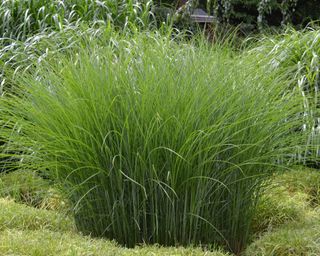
<point x="20" y="19"/>
<point x="297" y="54"/>
<point x="155" y="141"/>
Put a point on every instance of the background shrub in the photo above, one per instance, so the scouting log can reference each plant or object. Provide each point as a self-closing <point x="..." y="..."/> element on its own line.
<point x="20" y="19"/>
<point x="261" y="14"/>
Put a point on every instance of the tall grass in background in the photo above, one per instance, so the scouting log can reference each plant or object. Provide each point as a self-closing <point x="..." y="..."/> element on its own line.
<point x="297" y="54"/>
<point x="155" y="141"/>
<point x="18" y="56"/>
<point x="22" y="18"/>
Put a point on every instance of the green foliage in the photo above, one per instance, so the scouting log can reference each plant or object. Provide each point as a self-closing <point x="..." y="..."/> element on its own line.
<point x="149" y="150"/>
<point x="22" y="217"/>
<point x="297" y="54"/>
<point x="295" y="239"/>
<point x="253" y="14"/>
<point x="288" y="216"/>
<point x="33" y="232"/>
<point x="28" y="188"/>
<point x="302" y="180"/>
<point x="44" y="242"/>
<point x="18" y="56"/>
<point x="22" y="18"/>
<point x="277" y="207"/>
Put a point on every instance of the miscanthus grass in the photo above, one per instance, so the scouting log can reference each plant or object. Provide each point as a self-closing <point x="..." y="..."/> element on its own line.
<point x="155" y="141"/>
<point x="19" y="19"/>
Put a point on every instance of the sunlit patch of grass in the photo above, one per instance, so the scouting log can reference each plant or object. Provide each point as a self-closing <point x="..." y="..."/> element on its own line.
<point x="277" y="207"/>
<point x="297" y="238"/>
<point x="301" y="180"/>
<point x="29" y="231"/>
<point x="44" y="242"/>
<point x="288" y="197"/>
<point x="288" y="216"/>
<point x="19" y="216"/>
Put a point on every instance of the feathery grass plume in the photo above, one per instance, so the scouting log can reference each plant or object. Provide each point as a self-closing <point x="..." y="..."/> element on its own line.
<point x="155" y="141"/>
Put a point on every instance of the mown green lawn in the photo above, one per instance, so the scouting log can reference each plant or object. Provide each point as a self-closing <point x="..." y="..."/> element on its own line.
<point x="25" y="230"/>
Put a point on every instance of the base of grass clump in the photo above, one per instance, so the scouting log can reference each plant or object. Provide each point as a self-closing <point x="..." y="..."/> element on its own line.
<point x="44" y="242"/>
<point x="34" y="232"/>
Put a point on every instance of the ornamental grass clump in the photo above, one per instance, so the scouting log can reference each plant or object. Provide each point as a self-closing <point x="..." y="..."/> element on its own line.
<point x="155" y="141"/>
